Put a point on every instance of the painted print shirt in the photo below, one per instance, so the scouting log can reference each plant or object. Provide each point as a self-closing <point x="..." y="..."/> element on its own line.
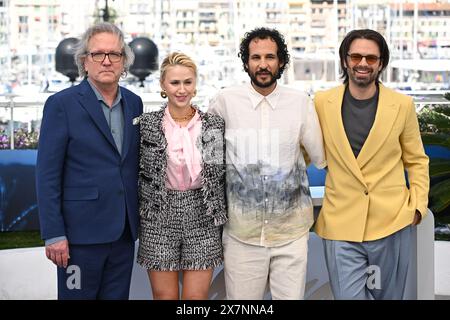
<point x="269" y="202"/>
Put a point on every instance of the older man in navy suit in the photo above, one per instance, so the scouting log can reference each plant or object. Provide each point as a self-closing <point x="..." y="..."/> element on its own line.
<point x="87" y="172"/>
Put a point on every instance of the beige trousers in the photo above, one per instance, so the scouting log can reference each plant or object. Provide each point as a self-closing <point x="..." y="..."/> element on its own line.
<point x="248" y="269"/>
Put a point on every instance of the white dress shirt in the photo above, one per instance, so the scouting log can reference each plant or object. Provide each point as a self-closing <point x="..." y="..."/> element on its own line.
<point x="269" y="202"/>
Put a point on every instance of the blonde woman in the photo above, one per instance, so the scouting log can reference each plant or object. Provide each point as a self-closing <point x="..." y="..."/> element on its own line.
<point x="182" y="202"/>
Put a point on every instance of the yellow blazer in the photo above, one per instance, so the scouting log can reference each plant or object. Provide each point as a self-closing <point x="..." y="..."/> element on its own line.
<point x="366" y="198"/>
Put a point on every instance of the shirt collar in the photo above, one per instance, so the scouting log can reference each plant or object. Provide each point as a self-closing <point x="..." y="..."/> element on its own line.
<point x="100" y="97"/>
<point x="256" y="98"/>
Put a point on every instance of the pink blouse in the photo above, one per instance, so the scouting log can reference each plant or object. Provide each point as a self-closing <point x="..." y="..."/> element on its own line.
<point x="184" y="162"/>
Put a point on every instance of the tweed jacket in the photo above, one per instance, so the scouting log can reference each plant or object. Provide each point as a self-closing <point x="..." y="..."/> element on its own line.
<point x="153" y="164"/>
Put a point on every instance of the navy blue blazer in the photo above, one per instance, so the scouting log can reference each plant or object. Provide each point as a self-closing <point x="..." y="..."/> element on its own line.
<point x="84" y="186"/>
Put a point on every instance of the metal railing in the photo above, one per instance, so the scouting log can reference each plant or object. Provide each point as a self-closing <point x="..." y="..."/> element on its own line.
<point x="11" y="106"/>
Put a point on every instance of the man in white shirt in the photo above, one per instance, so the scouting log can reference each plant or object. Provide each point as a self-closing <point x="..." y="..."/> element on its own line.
<point x="269" y="203"/>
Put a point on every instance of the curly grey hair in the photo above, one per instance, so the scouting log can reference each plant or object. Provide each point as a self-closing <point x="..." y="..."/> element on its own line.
<point x="82" y="49"/>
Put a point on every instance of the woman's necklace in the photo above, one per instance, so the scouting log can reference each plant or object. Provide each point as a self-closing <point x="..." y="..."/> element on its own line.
<point x="185" y="118"/>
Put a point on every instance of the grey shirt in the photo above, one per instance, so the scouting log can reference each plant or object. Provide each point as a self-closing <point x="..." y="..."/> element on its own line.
<point x="358" y="117"/>
<point x="114" y="116"/>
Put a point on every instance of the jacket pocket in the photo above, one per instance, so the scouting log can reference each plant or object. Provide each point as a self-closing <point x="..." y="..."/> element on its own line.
<point x="80" y="193"/>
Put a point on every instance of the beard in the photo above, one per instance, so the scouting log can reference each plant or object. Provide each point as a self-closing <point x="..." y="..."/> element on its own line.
<point x="363" y="82"/>
<point x="254" y="78"/>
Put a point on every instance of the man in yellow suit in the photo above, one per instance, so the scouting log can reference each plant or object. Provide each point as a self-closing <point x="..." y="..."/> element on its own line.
<point x="371" y="136"/>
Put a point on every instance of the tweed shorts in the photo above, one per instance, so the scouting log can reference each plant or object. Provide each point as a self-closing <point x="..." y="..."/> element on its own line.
<point x="183" y="238"/>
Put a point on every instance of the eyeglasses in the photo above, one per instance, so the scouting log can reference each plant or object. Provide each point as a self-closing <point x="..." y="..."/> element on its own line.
<point x="101" y="56"/>
<point x="356" y="58"/>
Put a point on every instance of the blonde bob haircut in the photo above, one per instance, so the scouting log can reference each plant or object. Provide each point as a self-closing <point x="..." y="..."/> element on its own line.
<point x="174" y="59"/>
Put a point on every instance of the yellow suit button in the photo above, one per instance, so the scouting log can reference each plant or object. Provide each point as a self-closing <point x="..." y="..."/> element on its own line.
<point x="366" y="192"/>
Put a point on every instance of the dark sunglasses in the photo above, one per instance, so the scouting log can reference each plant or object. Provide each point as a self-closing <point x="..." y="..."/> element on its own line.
<point x="356" y="58"/>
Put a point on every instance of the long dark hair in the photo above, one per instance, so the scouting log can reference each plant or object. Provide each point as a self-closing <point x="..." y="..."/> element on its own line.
<point x="363" y="34"/>
<point x="264" y="33"/>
